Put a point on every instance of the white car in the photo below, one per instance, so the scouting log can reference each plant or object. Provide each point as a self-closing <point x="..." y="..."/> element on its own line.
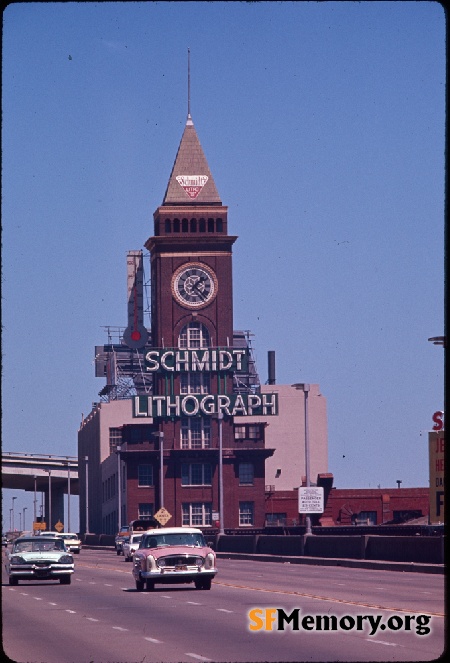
<point x="39" y="558"/>
<point x="72" y="541"/>
<point x="130" y="546"/>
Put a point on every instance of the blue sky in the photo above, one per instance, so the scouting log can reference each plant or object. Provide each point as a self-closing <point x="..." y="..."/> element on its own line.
<point x="323" y="125"/>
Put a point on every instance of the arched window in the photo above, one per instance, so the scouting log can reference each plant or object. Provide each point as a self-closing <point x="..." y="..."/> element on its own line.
<point x="168" y="226"/>
<point x="184" y="226"/>
<point x="176" y="225"/>
<point x="202" y="226"/>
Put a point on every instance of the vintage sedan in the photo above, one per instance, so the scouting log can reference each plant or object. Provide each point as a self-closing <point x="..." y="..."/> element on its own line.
<point x="39" y="558"/>
<point x="173" y="555"/>
<point x="130" y="545"/>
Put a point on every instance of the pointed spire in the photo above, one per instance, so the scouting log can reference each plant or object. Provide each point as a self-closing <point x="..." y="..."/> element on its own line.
<point x="191" y="181"/>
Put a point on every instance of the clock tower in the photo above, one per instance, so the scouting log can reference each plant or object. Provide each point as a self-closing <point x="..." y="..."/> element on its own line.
<point x="195" y="357"/>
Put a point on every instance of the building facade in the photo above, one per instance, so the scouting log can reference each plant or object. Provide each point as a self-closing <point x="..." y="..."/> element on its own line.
<point x="198" y="435"/>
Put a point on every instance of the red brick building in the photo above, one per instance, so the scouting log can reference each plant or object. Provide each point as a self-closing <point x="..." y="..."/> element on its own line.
<point x="351" y="506"/>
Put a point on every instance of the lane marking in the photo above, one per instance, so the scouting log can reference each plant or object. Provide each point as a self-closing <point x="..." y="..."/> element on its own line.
<point x="154" y="640"/>
<point x="120" y="628"/>
<point x="72" y="612"/>
<point x="37" y="598"/>
<point x="50" y="603"/>
<point x="383" y="642"/>
<point x="198" y="657"/>
<point x="360" y="604"/>
<point x="92" y="619"/>
<point x="193" y="603"/>
<point x="223" y="610"/>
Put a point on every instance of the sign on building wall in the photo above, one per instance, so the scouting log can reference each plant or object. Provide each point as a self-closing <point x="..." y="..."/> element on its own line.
<point x="436" y="445"/>
<point x="208" y="405"/>
<point x="310" y="499"/>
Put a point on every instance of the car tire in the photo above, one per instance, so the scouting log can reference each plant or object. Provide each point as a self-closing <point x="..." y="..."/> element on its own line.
<point x="140" y="585"/>
<point x="150" y="586"/>
<point x="65" y="580"/>
<point x="127" y="559"/>
<point x="204" y="583"/>
<point x="13" y="581"/>
<point x="118" y="551"/>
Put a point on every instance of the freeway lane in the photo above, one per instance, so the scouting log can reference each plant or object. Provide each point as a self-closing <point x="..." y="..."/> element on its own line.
<point x="101" y="618"/>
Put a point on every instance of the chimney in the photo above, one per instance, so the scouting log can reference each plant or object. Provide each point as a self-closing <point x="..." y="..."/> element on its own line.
<point x="271" y="360"/>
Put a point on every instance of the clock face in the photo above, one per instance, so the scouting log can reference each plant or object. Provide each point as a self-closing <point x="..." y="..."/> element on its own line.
<point x="194" y="285"/>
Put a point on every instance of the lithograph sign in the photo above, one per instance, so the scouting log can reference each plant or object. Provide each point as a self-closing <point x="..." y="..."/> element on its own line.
<point x="191" y="405"/>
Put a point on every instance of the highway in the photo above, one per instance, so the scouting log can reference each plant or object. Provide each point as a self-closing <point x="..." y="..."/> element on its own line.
<point x="101" y="618"/>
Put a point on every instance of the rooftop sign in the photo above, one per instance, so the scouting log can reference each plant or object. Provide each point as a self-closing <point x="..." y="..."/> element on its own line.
<point x="180" y="361"/>
<point x="190" y="405"/>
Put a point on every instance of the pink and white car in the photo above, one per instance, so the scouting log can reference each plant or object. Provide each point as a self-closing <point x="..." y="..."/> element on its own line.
<point x="173" y="555"/>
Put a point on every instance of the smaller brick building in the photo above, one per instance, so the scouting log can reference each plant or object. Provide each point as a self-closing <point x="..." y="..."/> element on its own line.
<point x="350" y="506"/>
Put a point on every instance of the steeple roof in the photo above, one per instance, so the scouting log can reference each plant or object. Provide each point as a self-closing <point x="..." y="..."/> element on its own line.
<point x="191" y="182"/>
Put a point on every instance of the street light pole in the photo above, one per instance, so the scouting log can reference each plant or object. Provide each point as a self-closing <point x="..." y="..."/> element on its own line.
<point x="86" y="458"/>
<point x="119" y="488"/>
<point x="305" y="388"/>
<point x="160" y="434"/>
<point x="68" y="496"/>
<point x="49" y="500"/>
<point x="23" y="519"/>
<point x="35" y="500"/>
<point x="221" y="527"/>
<point x="13" y="524"/>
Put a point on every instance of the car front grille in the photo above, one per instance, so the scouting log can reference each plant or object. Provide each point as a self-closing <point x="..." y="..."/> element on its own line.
<point x="180" y="560"/>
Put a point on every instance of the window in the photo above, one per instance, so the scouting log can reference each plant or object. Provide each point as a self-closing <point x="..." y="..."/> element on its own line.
<point x="196" y="474"/>
<point x="115" y="439"/>
<point x="145" y="510"/>
<point x="192" y="336"/>
<point x="246" y="473"/>
<point x="249" y="432"/>
<point x="195" y="433"/>
<point x="246" y="513"/>
<point x="196" y="513"/>
<point x="195" y="383"/>
<point x="168" y="226"/>
<point x="364" y="518"/>
<point x="276" y="519"/>
<point x="145" y="475"/>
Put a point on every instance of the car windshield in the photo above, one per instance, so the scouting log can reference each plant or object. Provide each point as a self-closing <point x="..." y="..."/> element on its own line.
<point x="174" y="539"/>
<point x="69" y="537"/>
<point x="136" y="538"/>
<point x="43" y="545"/>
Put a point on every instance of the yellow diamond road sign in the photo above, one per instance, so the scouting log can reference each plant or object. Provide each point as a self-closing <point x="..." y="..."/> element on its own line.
<point x="162" y="516"/>
<point x="59" y="526"/>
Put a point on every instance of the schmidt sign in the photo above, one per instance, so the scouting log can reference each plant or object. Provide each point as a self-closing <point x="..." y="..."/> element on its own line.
<point x="172" y="360"/>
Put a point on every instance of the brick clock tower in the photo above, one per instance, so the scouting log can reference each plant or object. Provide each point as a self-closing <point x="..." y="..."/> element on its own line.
<point x="200" y="365"/>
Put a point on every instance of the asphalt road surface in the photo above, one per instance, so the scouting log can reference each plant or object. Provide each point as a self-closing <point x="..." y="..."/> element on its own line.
<point x="328" y="614"/>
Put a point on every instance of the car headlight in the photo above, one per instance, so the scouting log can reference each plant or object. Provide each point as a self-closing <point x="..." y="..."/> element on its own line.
<point x="199" y="561"/>
<point x="17" y="560"/>
<point x="209" y="561"/>
<point x="66" y="559"/>
<point x="150" y="563"/>
<point x="161" y="563"/>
